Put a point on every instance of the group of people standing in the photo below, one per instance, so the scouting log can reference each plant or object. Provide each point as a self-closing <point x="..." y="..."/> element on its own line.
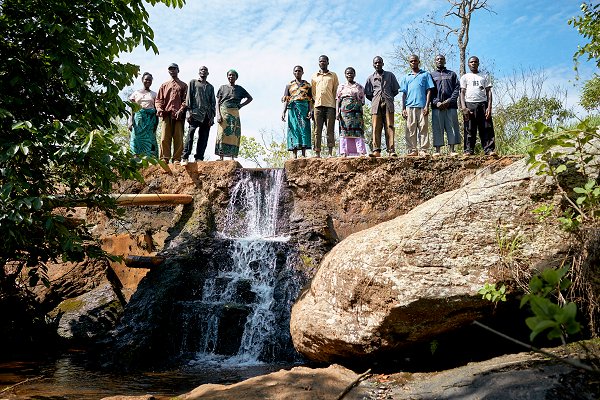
<point x="195" y="102"/>
<point x="325" y="100"/>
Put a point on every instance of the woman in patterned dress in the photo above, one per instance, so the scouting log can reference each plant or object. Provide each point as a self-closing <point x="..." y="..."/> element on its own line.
<point x="143" y="123"/>
<point x="349" y="112"/>
<point x="297" y="98"/>
<point x="229" y="131"/>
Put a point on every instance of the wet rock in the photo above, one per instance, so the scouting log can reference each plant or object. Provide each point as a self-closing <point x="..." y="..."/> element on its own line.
<point x="89" y="316"/>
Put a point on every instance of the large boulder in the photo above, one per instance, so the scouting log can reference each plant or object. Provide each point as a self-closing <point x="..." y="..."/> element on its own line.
<point x="85" y="318"/>
<point x="410" y="279"/>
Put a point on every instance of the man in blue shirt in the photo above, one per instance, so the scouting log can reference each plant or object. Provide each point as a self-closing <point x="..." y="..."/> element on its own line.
<point x="416" y="97"/>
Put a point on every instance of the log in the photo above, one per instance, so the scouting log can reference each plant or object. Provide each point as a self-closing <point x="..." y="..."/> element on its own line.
<point x="143" y="261"/>
<point x="151" y="199"/>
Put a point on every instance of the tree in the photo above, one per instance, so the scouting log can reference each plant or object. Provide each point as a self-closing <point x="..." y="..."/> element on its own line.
<point x="59" y="103"/>
<point x="521" y="98"/>
<point x="588" y="25"/>
<point x="422" y="42"/>
<point x="276" y="148"/>
<point x="462" y="10"/>
<point x="272" y="152"/>
<point x="251" y="150"/>
<point x="590" y="95"/>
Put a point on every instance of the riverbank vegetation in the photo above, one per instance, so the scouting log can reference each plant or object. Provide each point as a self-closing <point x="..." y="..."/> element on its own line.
<point x="59" y="94"/>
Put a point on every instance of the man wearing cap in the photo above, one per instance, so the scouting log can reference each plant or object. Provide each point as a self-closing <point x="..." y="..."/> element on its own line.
<point x="170" y="106"/>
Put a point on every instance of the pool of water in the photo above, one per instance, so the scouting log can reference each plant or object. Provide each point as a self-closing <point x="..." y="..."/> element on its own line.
<point x="69" y="377"/>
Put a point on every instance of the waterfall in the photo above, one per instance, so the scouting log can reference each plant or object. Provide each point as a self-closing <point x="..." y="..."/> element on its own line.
<point x="242" y="316"/>
<point x="253" y="210"/>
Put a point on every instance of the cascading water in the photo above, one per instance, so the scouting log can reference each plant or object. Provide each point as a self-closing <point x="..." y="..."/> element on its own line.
<point x="242" y="316"/>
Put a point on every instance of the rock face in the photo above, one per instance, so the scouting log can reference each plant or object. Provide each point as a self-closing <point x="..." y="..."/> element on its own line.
<point x="325" y="200"/>
<point x="407" y="280"/>
<point x="300" y="383"/>
<point x="335" y="197"/>
<point x="89" y="316"/>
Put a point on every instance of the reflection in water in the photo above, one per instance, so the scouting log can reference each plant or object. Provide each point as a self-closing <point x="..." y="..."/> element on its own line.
<point x="262" y="285"/>
<point x="69" y="378"/>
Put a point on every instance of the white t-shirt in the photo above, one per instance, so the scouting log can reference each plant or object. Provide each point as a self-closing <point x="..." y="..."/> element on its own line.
<point x="145" y="98"/>
<point x="475" y="86"/>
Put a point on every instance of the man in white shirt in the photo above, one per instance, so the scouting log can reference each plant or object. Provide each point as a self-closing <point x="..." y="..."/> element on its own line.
<point x="476" y="106"/>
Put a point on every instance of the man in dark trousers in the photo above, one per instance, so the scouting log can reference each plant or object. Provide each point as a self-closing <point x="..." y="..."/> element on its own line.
<point x="201" y="111"/>
<point x="324" y="88"/>
<point x="444" y="106"/>
<point x="476" y="105"/>
<point x="381" y="88"/>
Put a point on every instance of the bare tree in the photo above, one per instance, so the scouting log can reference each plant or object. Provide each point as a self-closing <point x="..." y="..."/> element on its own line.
<point x="425" y="43"/>
<point x="462" y="10"/>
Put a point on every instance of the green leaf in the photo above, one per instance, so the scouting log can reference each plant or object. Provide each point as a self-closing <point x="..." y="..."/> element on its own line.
<point x="589" y="185"/>
<point x="37" y="203"/>
<point x="538" y="326"/>
<point x="88" y="143"/>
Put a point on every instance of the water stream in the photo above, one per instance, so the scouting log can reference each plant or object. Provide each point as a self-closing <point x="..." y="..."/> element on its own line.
<point x="242" y="315"/>
<point x="233" y="326"/>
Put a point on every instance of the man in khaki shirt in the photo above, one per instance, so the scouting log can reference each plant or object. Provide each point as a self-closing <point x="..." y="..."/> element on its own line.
<point x="324" y="88"/>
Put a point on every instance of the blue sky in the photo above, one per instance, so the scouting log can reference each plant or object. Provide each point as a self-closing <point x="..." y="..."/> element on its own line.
<point x="264" y="40"/>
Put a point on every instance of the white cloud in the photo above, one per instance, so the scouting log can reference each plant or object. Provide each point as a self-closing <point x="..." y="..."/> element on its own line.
<point x="521" y="20"/>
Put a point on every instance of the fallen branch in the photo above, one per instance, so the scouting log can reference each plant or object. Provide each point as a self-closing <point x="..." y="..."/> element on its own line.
<point x="353" y="383"/>
<point x="20" y="383"/>
<point x="573" y="363"/>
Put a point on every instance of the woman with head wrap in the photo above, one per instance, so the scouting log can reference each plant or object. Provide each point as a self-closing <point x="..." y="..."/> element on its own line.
<point x="229" y="132"/>
<point x="143" y="123"/>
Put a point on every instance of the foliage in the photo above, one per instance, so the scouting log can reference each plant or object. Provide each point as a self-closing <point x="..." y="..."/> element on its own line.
<point x="590" y="94"/>
<point x="519" y="98"/>
<point x="272" y="153"/>
<point x="568" y="155"/>
<point x="59" y="83"/>
<point x="508" y="246"/>
<point x="548" y="314"/>
<point x="511" y="120"/>
<point x="251" y="150"/>
<point x="276" y="149"/>
<point x="553" y="152"/>
<point x="588" y="26"/>
<point x="489" y="292"/>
